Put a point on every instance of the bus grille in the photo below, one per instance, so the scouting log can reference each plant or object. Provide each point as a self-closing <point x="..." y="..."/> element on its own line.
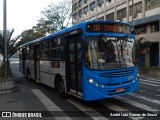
<point x="113" y="92"/>
<point x="117" y="74"/>
<point x="113" y="84"/>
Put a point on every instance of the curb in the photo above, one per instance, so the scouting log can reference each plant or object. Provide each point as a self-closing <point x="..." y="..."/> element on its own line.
<point x="7" y="86"/>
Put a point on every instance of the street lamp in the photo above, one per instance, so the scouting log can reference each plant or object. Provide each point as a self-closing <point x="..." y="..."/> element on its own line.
<point x="5" y="36"/>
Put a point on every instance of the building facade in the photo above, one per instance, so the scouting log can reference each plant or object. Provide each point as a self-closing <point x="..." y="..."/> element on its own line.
<point x="145" y="16"/>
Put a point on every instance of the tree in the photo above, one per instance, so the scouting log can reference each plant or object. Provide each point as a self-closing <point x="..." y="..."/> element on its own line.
<point x="31" y="34"/>
<point x="55" y="17"/>
<point x="10" y="43"/>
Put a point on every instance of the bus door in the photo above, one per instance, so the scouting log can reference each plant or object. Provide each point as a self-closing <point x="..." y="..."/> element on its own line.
<point x="23" y="60"/>
<point x="74" y="64"/>
<point x="36" y="62"/>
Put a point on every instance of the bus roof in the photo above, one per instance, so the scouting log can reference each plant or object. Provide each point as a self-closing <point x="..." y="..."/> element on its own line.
<point x="67" y="30"/>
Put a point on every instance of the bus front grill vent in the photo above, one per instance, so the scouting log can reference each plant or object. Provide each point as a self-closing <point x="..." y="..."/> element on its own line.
<point x="117" y="74"/>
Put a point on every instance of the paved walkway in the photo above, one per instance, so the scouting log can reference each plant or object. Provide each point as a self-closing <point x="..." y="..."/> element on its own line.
<point x="7" y="86"/>
<point x="11" y="101"/>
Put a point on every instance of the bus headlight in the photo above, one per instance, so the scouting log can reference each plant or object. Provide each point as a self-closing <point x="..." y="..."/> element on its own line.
<point x="102" y="86"/>
<point x="137" y="78"/>
<point x="96" y="84"/>
<point x="90" y="80"/>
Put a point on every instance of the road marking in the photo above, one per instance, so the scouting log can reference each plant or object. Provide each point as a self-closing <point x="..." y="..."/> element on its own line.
<point x="91" y="112"/>
<point x="142" y="90"/>
<point x="118" y="109"/>
<point x="136" y="104"/>
<point x="145" y="98"/>
<point x="150" y="81"/>
<point x="49" y="104"/>
<point x="149" y="84"/>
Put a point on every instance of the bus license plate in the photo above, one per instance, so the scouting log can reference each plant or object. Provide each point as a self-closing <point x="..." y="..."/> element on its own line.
<point x="120" y="90"/>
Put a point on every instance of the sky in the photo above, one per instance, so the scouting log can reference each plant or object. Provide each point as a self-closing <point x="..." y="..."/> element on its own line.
<point x="23" y="14"/>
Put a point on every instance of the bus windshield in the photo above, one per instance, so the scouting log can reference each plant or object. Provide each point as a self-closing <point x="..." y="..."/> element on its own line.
<point x="106" y="53"/>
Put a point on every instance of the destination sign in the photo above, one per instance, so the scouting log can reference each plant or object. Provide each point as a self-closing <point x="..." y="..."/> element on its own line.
<point x="109" y="27"/>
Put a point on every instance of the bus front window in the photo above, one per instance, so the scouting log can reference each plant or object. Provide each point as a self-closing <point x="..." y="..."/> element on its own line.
<point x="105" y="53"/>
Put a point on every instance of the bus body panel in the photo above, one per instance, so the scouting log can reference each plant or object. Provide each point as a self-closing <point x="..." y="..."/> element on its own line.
<point x="129" y="83"/>
<point x="48" y="73"/>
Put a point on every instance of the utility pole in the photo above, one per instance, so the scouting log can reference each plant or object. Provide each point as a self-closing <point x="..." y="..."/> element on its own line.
<point x="159" y="39"/>
<point x="5" y="37"/>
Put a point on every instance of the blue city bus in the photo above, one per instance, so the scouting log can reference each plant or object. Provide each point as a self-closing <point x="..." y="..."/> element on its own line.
<point x="92" y="60"/>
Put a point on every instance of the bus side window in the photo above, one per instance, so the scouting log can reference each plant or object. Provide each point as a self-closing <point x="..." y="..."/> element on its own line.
<point x="79" y="52"/>
<point x="71" y="49"/>
<point x="44" y="52"/>
<point x="27" y="53"/>
<point x="57" y="49"/>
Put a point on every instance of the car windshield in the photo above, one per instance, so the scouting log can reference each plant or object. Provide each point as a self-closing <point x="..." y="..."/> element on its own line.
<point x="104" y="53"/>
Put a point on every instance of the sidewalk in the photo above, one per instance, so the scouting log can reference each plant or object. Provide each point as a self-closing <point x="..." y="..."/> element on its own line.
<point x="7" y="86"/>
<point x="11" y="101"/>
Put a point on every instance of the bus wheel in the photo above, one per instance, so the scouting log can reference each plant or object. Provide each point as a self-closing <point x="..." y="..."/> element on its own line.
<point x="61" y="89"/>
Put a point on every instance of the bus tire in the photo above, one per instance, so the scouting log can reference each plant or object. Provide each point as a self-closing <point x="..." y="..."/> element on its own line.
<point x="61" y="89"/>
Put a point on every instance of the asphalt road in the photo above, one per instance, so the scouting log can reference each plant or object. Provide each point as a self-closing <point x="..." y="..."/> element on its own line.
<point x="32" y="96"/>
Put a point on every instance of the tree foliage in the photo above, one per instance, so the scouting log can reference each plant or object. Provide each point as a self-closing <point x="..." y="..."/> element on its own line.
<point x="56" y="17"/>
<point x="31" y="34"/>
<point x="11" y="43"/>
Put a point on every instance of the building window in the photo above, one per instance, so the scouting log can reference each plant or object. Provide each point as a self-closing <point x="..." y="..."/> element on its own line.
<point x="100" y="2"/>
<point x="86" y="10"/>
<point x="155" y="27"/>
<point x="137" y="9"/>
<point x="92" y="5"/>
<point x="80" y="13"/>
<point x="121" y="14"/>
<point x="110" y="16"/>
<point x="74" y="6"/>
<point x="75" y="16"/>
<point x="85" y="1"/>
<point x="80" y="3"/>
<point x="141" y="30"/>
<point x="151" y="4"/>
<point x="101" y="18"/>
